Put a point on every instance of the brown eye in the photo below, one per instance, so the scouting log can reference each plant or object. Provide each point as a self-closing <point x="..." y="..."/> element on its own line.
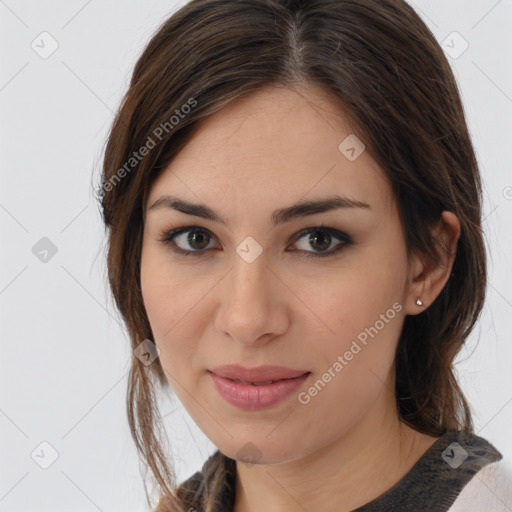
<point x="197" y="239"/>
<point x="320" y="239"/>
<point x="188" y="240"/>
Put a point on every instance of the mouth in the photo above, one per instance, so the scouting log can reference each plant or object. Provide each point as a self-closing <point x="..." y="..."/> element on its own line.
<point x="258" y="391"/>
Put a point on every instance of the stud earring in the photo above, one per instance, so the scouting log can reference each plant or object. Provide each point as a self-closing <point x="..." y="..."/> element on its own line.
<point x="419" y="303"/>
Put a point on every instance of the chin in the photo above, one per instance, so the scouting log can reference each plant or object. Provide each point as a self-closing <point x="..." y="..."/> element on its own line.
<point x="259" y="450"/>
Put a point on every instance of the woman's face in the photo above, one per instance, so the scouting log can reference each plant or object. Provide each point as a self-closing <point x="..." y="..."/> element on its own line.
<point x="323" y="292"/>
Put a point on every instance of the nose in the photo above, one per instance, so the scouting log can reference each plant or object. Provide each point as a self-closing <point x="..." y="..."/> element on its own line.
<point x="252" y="306"/>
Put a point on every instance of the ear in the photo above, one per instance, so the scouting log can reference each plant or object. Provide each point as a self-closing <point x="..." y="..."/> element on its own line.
<point x="426" y="281"/>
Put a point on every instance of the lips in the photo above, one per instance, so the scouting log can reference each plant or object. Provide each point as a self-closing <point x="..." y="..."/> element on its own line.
<point x="256" y="391"/>
<point x="257" y="376"/>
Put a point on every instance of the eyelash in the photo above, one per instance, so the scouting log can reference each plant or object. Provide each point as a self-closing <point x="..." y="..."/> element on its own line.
<point x="167" y="238"/>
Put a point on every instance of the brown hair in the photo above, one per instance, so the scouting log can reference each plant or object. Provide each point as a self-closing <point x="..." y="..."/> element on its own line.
<point x="386" y="70"/>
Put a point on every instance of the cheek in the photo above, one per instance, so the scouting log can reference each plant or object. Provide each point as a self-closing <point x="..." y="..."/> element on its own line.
<point x="165" y="303"/>
<point x="156" y="296"/>
<point x="339" y="405"/>
<point x="364" y="312"/>
<point x="167" y="296"/>
<point x="356" y="361"/>
<point x="357" y="300"/>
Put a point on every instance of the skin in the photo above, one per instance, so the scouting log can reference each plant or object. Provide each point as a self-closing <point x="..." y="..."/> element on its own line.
<point x="263" y="152"/>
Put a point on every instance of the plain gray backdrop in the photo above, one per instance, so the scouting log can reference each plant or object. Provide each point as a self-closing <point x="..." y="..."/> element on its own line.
<point x="65" y="443"/>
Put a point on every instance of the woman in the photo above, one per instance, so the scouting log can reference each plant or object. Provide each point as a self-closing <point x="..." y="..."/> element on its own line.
<point x="295" y="244"/>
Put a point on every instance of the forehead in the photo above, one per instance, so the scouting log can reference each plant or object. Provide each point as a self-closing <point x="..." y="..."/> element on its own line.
<point x="273" y="146"/>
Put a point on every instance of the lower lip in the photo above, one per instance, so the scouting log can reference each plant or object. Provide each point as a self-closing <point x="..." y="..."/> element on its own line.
<point x="253" y="398"/>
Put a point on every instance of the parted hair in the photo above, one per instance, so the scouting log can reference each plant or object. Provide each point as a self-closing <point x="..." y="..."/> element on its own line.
<point x="379" y="61"/>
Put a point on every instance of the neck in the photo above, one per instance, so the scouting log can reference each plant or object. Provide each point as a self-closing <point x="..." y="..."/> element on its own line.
<point x="360" y="465"/>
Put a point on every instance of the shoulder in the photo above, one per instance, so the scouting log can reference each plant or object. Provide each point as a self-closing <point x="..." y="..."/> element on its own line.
<point x="489" y="490"/>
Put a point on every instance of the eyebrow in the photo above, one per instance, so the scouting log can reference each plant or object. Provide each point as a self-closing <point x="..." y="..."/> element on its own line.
<point x="279" y="216"/>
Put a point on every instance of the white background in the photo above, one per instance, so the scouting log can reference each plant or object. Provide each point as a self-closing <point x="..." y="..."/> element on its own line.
<point x="64" y="353"/>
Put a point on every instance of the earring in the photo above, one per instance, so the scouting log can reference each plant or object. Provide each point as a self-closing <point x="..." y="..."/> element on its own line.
<point x="419" y="303"/>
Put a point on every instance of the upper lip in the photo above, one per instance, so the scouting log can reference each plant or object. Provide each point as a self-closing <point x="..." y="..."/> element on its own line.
<point x="258" y="374"/>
